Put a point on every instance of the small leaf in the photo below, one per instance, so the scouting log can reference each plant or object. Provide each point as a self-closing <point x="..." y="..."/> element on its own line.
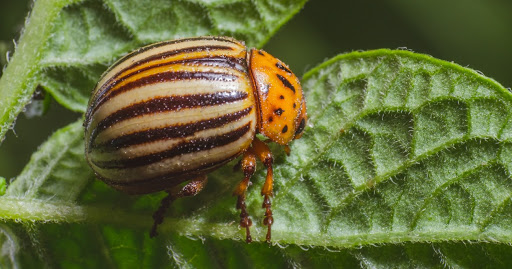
<point x="67" y="44"/>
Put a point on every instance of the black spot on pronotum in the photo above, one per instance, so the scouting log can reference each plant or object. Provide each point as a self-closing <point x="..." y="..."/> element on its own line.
<point x="282" y="67"/>
<point x="302" y="124"/>
<point x="279" y="111"/>
<point x="281" y="97"/>
<point x="285" y="129"/>
<point x="285" y="82"/>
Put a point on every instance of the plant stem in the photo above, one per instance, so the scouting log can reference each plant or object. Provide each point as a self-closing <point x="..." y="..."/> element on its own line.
<point x="18" y="80"/>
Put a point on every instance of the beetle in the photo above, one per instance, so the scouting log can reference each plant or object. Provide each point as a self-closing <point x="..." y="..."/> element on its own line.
<point x="165" y="115"/>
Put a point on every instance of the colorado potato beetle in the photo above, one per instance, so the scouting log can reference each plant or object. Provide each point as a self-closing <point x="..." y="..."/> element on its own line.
<point x="165" y="115"/>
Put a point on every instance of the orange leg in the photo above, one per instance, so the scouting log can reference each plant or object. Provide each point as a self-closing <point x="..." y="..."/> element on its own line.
<point x="287" y="150"/>
<point x="248" y="164"/>
<point x="265" y="156"/>
<point x="192" y="188"/>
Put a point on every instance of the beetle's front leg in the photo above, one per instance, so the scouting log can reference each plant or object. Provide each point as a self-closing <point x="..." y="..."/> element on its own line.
<point x="190" y="189"/>
<point x="265" y="156"/>
<point x="248" y="164"/>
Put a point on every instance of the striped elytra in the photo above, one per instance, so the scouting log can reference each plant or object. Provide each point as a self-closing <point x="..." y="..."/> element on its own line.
<point x="165" y="115"/>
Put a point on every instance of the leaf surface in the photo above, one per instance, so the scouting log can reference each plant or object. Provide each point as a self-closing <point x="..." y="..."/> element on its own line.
<point x="405" y="160"/>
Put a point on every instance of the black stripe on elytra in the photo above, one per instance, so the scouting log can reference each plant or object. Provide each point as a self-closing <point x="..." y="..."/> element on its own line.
<point x="195" y="145"/>
<point x="222" y="61"/>
<point x="113" y="80"/>
<point x="285" y="82"/>
<point x="168" y="103"/>
<point x="163" y="77"/>
<point x="282" y="67"/>
<point x="170" y="132"/>
<point x="169" y="179"/>
<point x="165" y="43"/>
<point x="167" y="54"/>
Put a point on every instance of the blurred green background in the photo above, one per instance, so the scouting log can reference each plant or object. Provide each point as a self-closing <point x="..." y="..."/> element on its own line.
<point x="472" y="33"/>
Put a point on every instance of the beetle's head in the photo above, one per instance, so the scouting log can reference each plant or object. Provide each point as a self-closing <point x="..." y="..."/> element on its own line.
<point x="282" y="108"/>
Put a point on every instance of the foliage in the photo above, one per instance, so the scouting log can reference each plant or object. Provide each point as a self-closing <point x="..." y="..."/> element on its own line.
<point x="405" y="162"/>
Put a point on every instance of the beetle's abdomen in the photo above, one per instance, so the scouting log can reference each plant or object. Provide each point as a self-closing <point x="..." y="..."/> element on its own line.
<point x="170" y="112"/>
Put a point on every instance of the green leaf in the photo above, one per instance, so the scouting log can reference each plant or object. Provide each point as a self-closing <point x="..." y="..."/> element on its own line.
<point x="67" y="44"/>
<point x="57" y="172"/>
<point x="405" y="160"/>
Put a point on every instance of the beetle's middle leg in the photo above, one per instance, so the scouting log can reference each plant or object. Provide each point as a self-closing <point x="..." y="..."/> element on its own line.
<point x="264" y="154"/>
<point x="190" y="189"/>
<point x="248" y="164"/>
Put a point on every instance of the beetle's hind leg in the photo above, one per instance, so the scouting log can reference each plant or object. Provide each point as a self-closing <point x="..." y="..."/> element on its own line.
<point x="248" y="164"/>
<point x="190" y="189"/>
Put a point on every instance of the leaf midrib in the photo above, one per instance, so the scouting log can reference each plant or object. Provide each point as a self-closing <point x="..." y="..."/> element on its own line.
<point x="197" y="227"/>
